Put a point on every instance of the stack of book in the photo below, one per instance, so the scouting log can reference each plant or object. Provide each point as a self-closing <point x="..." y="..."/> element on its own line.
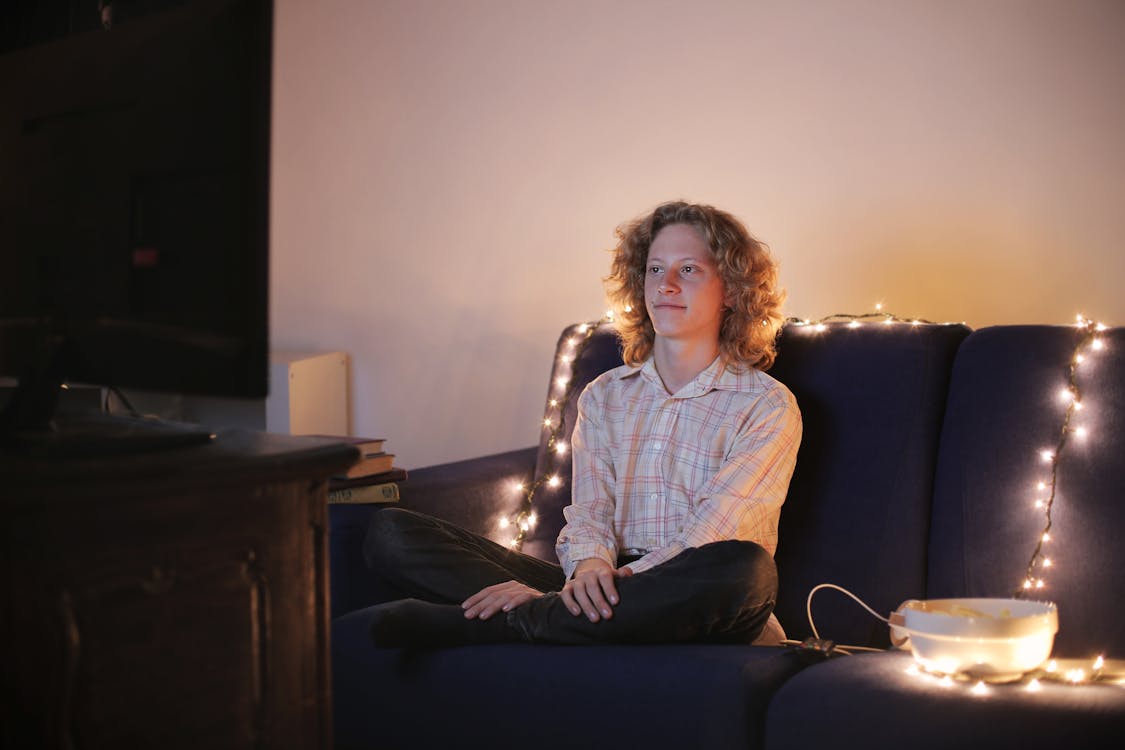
<point x="374" y="479"/>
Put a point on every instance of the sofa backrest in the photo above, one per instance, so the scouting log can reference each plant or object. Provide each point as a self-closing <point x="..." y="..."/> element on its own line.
<point x="872" y="398"/>
<point x="1005" y="408"/>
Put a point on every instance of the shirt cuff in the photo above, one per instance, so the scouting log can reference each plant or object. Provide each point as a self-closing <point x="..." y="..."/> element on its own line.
<point x="576" y="553"/>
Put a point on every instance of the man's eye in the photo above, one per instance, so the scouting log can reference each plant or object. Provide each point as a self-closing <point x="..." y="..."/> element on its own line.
<point x="654" y="269"/>
<point x="688" y="269"/>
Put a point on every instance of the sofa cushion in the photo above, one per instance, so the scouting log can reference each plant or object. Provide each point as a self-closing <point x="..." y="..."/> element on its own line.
<point x="873" y="701"/>
<point x="1004" y="409"/>
<point x="857" y="514"/>
<point x="690" y="696"/>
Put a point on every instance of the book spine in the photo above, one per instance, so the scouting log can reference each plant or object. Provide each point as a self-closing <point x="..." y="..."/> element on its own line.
<point x="372" y="493"/>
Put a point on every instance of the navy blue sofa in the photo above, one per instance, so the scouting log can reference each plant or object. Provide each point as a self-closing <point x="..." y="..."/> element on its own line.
<point x="917" y="478"/>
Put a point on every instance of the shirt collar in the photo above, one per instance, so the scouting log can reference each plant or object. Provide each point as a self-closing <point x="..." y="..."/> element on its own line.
<point x="714" y="377"/>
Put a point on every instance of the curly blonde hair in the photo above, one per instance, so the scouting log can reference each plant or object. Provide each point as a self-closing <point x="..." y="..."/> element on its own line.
<point x="752" y="319"/>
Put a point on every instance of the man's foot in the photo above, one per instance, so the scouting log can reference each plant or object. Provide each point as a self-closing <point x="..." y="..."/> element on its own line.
<point x="413" y="623"/>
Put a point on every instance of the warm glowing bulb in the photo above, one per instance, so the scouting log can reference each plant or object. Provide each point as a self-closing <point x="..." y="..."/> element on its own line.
<point x="1078" y="406"/>
<point x="1039" y="503"/>
<point x="1099" y="663"/>
<point x="1047" y="562"/>
<point x="888" y="321"/>
<point x="504" y="523"/>
<point x="1039" y="584"/>
<point x="554" y="402"/>
<point x="1066" y="394"/>
<point x="1034" y="686"/>
<point x="1046" y="455"/>
<point x="853" y="324"/>
<point x="878" y="307"/>
<point x="583" y="328"/>
<point x="547" y="422"/>
<point x="517" y="486"/>
<point x="1027" y="584"/>
<point x="628" y="308"/>
<point x="1076" y="675"/>
<point x="524" y="526"/>
<point x="532" y="520"/>
<point x="1046" y="537"/>
<point x="946" y="682"/>
<point x="1097" y="344"/>
<point x="1052" y="666"/>
<point x="1080" y="432"/>
<point x="609" y="314"/>
<point x="560" y="448"/>
<point x="572" y="342"/>
<point x="567" y="358"/>
<point x="554" y="481"/>
<point x="562" y="381"/>
<point x="513" y="543"/>
<point x="915" y="322"/>
<point x="979" y="689"/>
<point x="820" y="327"/>
<point x="1079" y="358"/>
<point x="1100" y="327"/>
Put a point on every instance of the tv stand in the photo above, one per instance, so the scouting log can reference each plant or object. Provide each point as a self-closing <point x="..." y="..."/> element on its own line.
<point x="172" y="599"/>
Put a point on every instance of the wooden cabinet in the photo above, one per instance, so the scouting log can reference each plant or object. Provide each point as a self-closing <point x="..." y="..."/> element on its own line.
<point x="171" y="599"/>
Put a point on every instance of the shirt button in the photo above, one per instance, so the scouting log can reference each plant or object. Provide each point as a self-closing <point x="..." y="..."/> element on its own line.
<point x="654" y="496"/>
<point x="657" y="445"/>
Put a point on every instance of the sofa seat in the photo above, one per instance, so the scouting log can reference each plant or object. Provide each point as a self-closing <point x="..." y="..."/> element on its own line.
<point x="682" y="696"/>
<point x="879" y="700"/>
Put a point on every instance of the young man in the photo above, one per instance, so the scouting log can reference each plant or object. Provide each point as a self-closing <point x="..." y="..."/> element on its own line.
<point x="681" y="462"/>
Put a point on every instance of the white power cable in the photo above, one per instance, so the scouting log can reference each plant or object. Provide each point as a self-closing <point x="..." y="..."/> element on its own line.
<point x="840" y="647"/>
<point x="842" y="590"/>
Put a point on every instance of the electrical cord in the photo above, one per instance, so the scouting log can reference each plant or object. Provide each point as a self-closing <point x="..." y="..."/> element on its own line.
<point x="842" y="590"/>
<point x="825" y="648"/>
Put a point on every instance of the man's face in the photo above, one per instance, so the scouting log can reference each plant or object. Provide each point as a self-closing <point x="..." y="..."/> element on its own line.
<point x="683" y="291"/>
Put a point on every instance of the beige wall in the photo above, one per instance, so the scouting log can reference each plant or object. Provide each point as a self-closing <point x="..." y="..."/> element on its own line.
<point x="448" y="174"/>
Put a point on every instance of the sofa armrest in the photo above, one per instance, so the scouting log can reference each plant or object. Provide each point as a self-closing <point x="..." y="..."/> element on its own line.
<point x="471" y="493"/>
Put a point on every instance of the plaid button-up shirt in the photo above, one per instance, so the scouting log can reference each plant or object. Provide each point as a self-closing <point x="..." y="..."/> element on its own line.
<point x="661" y="473"/>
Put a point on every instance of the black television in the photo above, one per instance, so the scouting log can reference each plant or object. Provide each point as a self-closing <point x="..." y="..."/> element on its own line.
<point x="134" y="215"/>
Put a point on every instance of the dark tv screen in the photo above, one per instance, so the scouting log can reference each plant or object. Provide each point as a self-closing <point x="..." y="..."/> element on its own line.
<point x="134" y="203"/>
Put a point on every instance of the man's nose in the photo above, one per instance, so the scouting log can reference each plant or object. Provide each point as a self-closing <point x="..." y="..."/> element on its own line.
<point x="668" y="285"/>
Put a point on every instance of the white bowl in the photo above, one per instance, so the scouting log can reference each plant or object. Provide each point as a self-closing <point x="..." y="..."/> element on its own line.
<point x="989" y="638"/>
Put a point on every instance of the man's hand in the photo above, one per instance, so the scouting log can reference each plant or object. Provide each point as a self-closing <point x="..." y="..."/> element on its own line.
<point x="501" y="597"/>
<point x="593" y="589"/>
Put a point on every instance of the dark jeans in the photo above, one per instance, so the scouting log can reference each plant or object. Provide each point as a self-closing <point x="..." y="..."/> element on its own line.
<point x="718" y="593"/>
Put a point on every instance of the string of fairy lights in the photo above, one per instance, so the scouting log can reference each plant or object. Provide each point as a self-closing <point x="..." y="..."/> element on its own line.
<point x="563" y="386"/>
<point x="1089" y="342"/>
